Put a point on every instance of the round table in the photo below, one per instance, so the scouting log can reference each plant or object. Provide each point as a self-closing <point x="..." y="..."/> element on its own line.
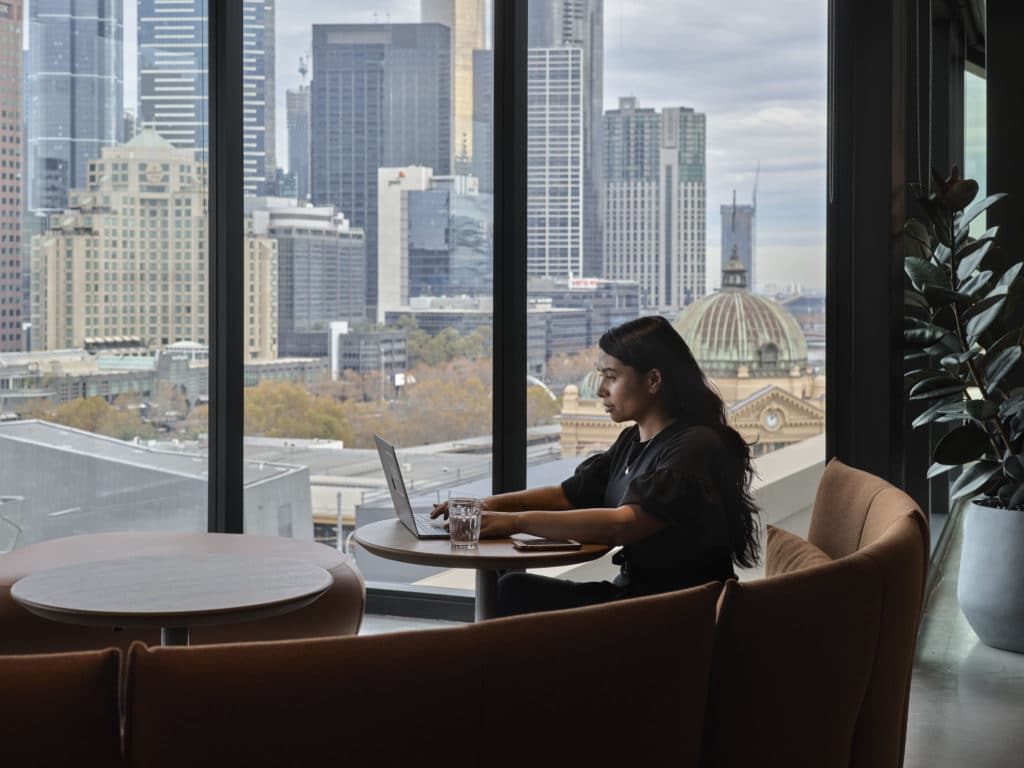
<point x="171" y="592"/>
<point x="392" y="540"/>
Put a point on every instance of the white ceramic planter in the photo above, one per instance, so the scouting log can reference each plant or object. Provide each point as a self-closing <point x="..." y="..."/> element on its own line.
<point x="991" y="585"/>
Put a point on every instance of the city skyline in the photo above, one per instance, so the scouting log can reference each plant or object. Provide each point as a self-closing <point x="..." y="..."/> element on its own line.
<point x="775" y="116"/>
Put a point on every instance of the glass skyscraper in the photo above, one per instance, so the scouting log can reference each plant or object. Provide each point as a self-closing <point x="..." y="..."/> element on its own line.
<point x="298" y="110"/>
<point x="11" y="148"/>
<point x="579" y="24"/>
<point x="381" y="98"/>
<point x="450" y="236"/>
<point x="554" y="197"/>
<point x="655" y="205"/>
<point x="75" y="92"/>
<point x="173" y="73"/>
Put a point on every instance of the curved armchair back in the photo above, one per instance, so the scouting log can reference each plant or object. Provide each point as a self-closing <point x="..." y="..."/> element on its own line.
<point x="859" y="514"/>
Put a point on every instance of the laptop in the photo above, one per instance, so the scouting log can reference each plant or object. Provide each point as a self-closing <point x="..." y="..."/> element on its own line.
<point x="417" y="521"/>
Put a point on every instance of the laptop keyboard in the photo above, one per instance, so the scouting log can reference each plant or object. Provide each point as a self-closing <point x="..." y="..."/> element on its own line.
<point x="424" y="524"/>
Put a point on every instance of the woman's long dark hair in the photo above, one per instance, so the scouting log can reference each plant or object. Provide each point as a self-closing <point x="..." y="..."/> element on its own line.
<point x="652" y="342"/>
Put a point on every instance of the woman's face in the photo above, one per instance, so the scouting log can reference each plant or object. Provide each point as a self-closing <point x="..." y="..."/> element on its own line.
<point x="625" y="392"/>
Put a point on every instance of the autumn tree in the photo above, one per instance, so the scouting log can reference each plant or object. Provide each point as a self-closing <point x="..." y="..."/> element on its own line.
<point x="563" y="369"/>
<point x="95" y="415"/>
<point x="284" y="409"/>
<point x="540" y="407"/>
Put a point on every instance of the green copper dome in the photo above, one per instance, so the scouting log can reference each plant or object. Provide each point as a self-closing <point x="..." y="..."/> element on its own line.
<point x="735" y="328"/>
<point x="588" y="386"/>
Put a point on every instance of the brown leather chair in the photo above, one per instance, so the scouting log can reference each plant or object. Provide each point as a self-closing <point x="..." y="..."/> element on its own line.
<point x="60" y="709"/>
<point x="337" y="612"/>
<point x="855" y="511"/>
<point x="859" y="515"/>
<point x="617" y="684"/>
<point x="792" y="663"/>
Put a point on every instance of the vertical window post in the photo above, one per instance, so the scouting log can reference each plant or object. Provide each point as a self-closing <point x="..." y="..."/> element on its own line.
<point x="866" y="210"/>
<point x="510" y="125"/>
<point x="225" y="258"/>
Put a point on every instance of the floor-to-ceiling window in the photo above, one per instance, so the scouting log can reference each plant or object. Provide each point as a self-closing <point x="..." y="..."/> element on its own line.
<point x="369" y="216"/>
<point x="103" y="268"/>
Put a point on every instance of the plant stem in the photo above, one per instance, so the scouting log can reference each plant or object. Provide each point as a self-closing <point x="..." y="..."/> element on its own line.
<point x="964" y="346"/>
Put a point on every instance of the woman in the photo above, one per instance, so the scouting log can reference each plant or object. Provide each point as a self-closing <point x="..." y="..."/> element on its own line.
<point x="673" y="490"/>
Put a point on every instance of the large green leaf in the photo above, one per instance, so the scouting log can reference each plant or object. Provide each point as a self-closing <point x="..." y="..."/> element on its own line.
<point x="947" y="344"/>
<point x="981" y="315"/>
<point x="910" y="378"/>
<point x="931" y="388"/>
<point x="938" y="469"/>
<point x="972" y="257"/>
<point x="914" y="299"/>
<point x="922" y="273"/>
<point x="916" y="240"/>
<point x="981" y="410"/>
<point x="939" y="297"/>
<point x="962" y="445"/>
<point x="1000" y="365"/>
<point x="921" y="337"/>
<point x="1012" y="405"/>
<point x="959" y="194"/>
<point x="963" y="222"/>
<point x="1013" y="466"/>
<point x="1009" y="276"/>
<point x="974" y="478"/>
<point x="936" y="410"/>
<point x="1010" y="338"/>
<point x="960" y="358"/>
<point x="976" y="282"/>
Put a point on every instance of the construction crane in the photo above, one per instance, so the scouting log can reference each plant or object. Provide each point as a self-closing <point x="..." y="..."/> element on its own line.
<point x="304" y="66"/>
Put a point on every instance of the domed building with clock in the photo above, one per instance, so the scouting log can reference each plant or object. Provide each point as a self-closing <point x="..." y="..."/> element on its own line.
<point x="755" y="354"/>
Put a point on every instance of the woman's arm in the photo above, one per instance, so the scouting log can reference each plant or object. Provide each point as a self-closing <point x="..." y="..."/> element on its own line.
<point x="612" y="526"/>
<point x="550" y="497"/>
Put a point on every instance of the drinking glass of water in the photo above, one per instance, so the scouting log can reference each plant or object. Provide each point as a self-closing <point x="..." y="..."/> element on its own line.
<point x="464" y="521"/>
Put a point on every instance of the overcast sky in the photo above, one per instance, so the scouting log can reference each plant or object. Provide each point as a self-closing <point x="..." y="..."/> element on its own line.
<point x="756" y="69"/>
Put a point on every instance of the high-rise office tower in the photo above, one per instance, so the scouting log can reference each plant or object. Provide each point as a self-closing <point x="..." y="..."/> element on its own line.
<point x="465" y="19"/>
<point x="655" y="205"/>
<point x="381" y="98"/>
<point x="173" y="72"/>
<point x="298" y="106"/>
<point x="75" y="85"/>
<point x="98" y="272"/>
<point x="449" y="239"/>
<point x="321" y="261"/>
<point x="555" y="174"/>
<point x="483" y="119"/>
<point x="580" y="24"/>
<point x="739" y="232"/>
<point x="393" y="187"/>
<point x="11" y="104"/>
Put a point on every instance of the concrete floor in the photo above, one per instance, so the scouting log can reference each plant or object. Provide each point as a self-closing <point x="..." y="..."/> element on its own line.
<point x="966" y="699"/>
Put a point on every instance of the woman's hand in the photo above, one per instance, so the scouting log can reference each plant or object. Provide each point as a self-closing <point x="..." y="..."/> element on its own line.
<point x="442" y="508"/>
<point x="497" y="525"/>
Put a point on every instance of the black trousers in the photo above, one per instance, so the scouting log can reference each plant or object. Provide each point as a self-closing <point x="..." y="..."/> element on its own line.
<point x="520" y="592"/>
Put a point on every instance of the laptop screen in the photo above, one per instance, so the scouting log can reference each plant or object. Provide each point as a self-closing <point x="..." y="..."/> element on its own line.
<point x="396" y="485"/>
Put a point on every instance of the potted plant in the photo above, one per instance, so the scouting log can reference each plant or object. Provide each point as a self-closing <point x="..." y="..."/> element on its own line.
<point x="960" y="334"/>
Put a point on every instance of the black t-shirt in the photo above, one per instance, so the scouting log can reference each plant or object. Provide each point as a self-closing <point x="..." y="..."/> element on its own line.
<point x="679" y="475"/>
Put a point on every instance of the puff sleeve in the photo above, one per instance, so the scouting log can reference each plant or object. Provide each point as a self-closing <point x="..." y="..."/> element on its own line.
<point x="586" y="487"/>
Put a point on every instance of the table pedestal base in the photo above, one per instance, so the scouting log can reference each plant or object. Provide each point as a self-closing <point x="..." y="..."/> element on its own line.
<point x="486" y="603"/>
<point x="173" y="635"/>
